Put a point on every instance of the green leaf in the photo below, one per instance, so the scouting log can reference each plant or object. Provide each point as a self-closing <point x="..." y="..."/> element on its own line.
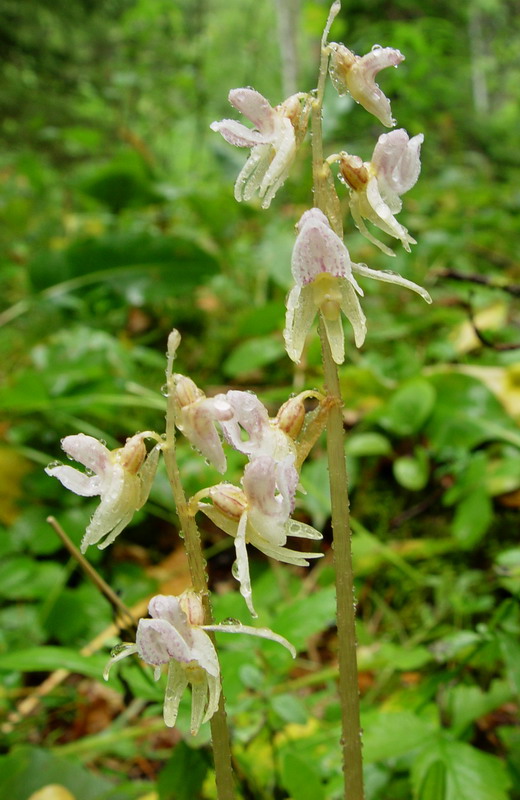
<point x="469" y="703"/>
<point x="388" y="734"/>
<point x="370" y="443"/>
<point x="301" y="779"/>
<point x="28" y="769"/>
<point x="472" y="518"/>
<point x="409" y="407"/>
<point x="306" y="616"/>
<point x="469" y="773"/>
<point x="510" y="649"/>
<point x="183" y="775"/>
<point x="412" y="472"/>
<point x="289" y="708"/>
<point x="23" y="578"/>
<point x="50" y="658"/>
<point x="252" y="354"/>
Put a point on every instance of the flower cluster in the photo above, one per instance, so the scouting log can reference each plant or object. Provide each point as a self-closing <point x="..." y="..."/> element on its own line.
<point x="175" y="635"/>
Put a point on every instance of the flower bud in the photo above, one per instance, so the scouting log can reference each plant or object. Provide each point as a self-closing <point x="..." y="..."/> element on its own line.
<point x="228" y="499"/>
<point x="186" y="390"/>
<point x="133" y="454"/>
<point x="353" y="172"/>
<point x="291" y="415"/>
<point x="191" y="604"/>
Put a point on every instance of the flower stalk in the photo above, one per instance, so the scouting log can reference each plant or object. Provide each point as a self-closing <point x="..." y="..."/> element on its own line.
<point x="219" y="728"/>
<point x="345" y="598"/>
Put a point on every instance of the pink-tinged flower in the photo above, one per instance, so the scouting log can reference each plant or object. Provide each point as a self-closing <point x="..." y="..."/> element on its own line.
<point x="273" y="141"/>
<point x="195" y="416"/>
<point x="376" y="186"/>
<point x="322" y="270"/>
<point x="177" y="636"/>
<point x="264" y="436"/>
<point x="259" y="514"/>
<point x="123" y="479"/>
<point x="356" y="75"/>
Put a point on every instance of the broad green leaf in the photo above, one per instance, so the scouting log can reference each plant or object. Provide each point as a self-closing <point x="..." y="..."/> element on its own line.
<point x="510" y="649"/>
<point x="24" y="578"/>
<point x="306" y="616"/>
<point x="28" y="769"/>
<point x="289" y="708"/>
<point x="50" y="658"/>
<point x="472" y="518"/>
<point x="469" y="773"/>
<point x="370" y="443"/>
<point x="408" y="408"/>
<point x="389" y="734"/>
<point x="301" y="779"/>
<point x="412" y="472"/>
<point x="508" y="568"/>
<point x="469" y="703"/>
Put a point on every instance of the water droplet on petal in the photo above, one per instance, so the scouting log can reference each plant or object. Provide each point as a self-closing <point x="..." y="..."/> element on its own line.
<point x="164" y="390"/>
<point x="376" y="47"/>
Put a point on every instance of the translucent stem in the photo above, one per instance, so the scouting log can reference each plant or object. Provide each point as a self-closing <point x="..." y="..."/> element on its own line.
<point x="345" y="599"/>
<point x="219" y="729"/>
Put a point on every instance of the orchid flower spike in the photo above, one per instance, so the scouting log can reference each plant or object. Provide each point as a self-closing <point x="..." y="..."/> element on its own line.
<point x="123" y="479"/>
<point x="356" y="75"/>
<point x="273" y="140"/>
<point x="177" y="636"/>
<point x="376" y="186"/>
<point x="195" y="415"/>
<point x="322" y="270"/>
<point x="259" y="514"/>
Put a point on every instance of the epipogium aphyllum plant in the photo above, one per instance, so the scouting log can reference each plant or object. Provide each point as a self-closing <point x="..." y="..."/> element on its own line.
<point x="181" y="631"/>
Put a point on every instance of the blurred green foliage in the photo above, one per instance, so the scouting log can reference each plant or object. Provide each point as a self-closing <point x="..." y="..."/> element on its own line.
<point x="118" y="223"/>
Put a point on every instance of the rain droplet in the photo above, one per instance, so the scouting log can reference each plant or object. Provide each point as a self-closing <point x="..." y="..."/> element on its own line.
<point x="376" y="47"/>
<point x="164" y="390"/>
<point x="231" y="621"/>
<point x="234" y="570"/>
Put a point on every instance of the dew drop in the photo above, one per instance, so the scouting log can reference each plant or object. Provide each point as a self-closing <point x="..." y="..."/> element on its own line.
<point x="376" y="47"/>
<point x="164" y="390"/>
<point x="231" y="621"/>
<point x="234" y="570"/>
<point x="53" y="464"/>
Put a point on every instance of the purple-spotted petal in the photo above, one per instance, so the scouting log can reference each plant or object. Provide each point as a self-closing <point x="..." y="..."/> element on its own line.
<point x="249" y="416"/>
<point x="318" y="250"/>
<point x="168" y="608"/>
<point x="255" y="107"/>
<point x="158" y="642"/>
<point x="204" y="653"/>
<point x="87" y="451"/>
<point x="397" y="161"/>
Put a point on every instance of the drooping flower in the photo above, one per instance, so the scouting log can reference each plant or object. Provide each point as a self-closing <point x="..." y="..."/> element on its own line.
<point x="273" y="141"/>
<point x="177" y="636"/>
<point x="356" y="75"/>
<point x="122" y="477"/>
<point x="195" y="416"/>
<point x="322" y="270"/>
<point x="259" y="514"/>
<point x="376" y="186"/>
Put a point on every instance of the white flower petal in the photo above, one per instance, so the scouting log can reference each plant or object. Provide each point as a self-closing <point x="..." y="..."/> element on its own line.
<point x="261" y="633"/>
<point x="176" y="684"/>
<point x="120" y="652"/>
<point x="252" y="173"/>
<point x="336" y="337"/>
<point x="301" y="530"/>
<point x="213" y="696"/>
<point x="360" y="80"/>
<point x="239" y="135"/>
<point x="242" y="564"/>
<point x="147" y="475"/>
<point x="199" y="696"/>
<point x="249" y="416"/>
<point x="301" y="311"/>
<point x="351" y="307"/>
<point x="392" y="277"/>
<point x="76" y="481"/>
<point x="204" y="653"/>
<point x="396" y="160"/>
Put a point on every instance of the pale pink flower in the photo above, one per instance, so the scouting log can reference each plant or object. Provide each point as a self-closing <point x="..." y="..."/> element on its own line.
<point x="259" y="514"/>
<point x="176" y="636"/>
<point x="322" y="270"/>
<point x="122" y="477"/>
<point x="356" y="75"/>
<point x="273" y="141"/>
<point x="376" y="186"/>
<point x="196" y="415"/>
